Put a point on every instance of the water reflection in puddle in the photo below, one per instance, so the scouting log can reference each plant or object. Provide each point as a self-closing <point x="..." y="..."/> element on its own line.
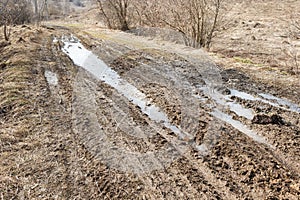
<point x="281" y="102"/>
<point x="90" y="62"/>
<point x="240" y="126"/>
<point x="276" y="102"/>
<point x="226" y="102"/>
<point x="242" y="95"/>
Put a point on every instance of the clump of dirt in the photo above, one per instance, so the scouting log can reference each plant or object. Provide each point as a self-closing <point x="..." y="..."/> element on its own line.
<point x="265" y="119"/>
<point x="234" y="75"/>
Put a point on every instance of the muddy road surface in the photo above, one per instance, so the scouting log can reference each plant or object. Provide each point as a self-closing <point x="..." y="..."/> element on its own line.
<point x="114" y="116"/>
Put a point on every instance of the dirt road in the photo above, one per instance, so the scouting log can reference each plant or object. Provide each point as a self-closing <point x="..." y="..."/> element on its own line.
<point x="98" y="114"/>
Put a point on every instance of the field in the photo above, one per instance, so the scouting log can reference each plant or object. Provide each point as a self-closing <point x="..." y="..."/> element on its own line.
<point x="92" y="113"/>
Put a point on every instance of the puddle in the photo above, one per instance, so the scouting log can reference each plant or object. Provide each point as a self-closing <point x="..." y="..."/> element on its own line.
<point x="242" y="95"/>
<point x="203" y="149"/>
<point x="240" y="110"/>
<point x="279" y="103"/>
<point x="240" y="126"/>
<point x="226" y="102"/>
<point x="90" y="62"/>
<point x="51" y="78"/>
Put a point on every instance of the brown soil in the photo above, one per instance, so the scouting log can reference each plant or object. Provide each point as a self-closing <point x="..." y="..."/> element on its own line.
<point x="46" y="153"/>
<point x="260" y="39"/>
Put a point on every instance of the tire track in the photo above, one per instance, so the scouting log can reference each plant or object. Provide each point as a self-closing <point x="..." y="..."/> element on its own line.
<point x="207" y="168"/>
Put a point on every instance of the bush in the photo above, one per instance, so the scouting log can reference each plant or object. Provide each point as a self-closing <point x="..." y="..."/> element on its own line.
<point x="196" y="20"/>
<point x="117" y="13"/>
<point x="14" y="12"/>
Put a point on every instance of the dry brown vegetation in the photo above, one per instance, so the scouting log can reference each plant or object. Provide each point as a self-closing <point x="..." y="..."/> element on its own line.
<point x="13" y="12"/>
<point x="42" y="157"/>
<point x="196" y="20"/>
<point x="263" y="33"/>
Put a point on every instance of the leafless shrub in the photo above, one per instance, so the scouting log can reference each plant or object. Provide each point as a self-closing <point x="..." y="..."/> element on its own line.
<point x="116" y="13"/>
<point x="196" y="20"/>
<point x="13" y="12"/>
<point x="54" y="10"/>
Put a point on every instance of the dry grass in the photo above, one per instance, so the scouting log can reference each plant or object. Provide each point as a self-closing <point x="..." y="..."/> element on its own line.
<point x="19" y="118"/>
<point x="40" y="156"/>
<point x="261" y="31"/>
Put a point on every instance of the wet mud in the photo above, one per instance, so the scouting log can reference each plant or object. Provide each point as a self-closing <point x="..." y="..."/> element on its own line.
<point x="213" y="133"/>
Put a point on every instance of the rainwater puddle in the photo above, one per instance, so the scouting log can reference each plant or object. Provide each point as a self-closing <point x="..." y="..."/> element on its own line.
<point x="242" y="95"/>
<point x="240" y="110"/>
<point x="281" y="102"/>
<point x="240" y="126"/>
<point x="224" y="102"/>
<point x="51" y="78"/>
<point x="90" y="62"/>
<point x="276" y="102"/>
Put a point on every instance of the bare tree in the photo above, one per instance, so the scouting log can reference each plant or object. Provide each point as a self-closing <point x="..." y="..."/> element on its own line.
<point x="13" y="12"/>
<point x="39" y="7"/>
<point x="197" y="20"/>
<point x="116" y="13"/>
<point x="4" y="18"/>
